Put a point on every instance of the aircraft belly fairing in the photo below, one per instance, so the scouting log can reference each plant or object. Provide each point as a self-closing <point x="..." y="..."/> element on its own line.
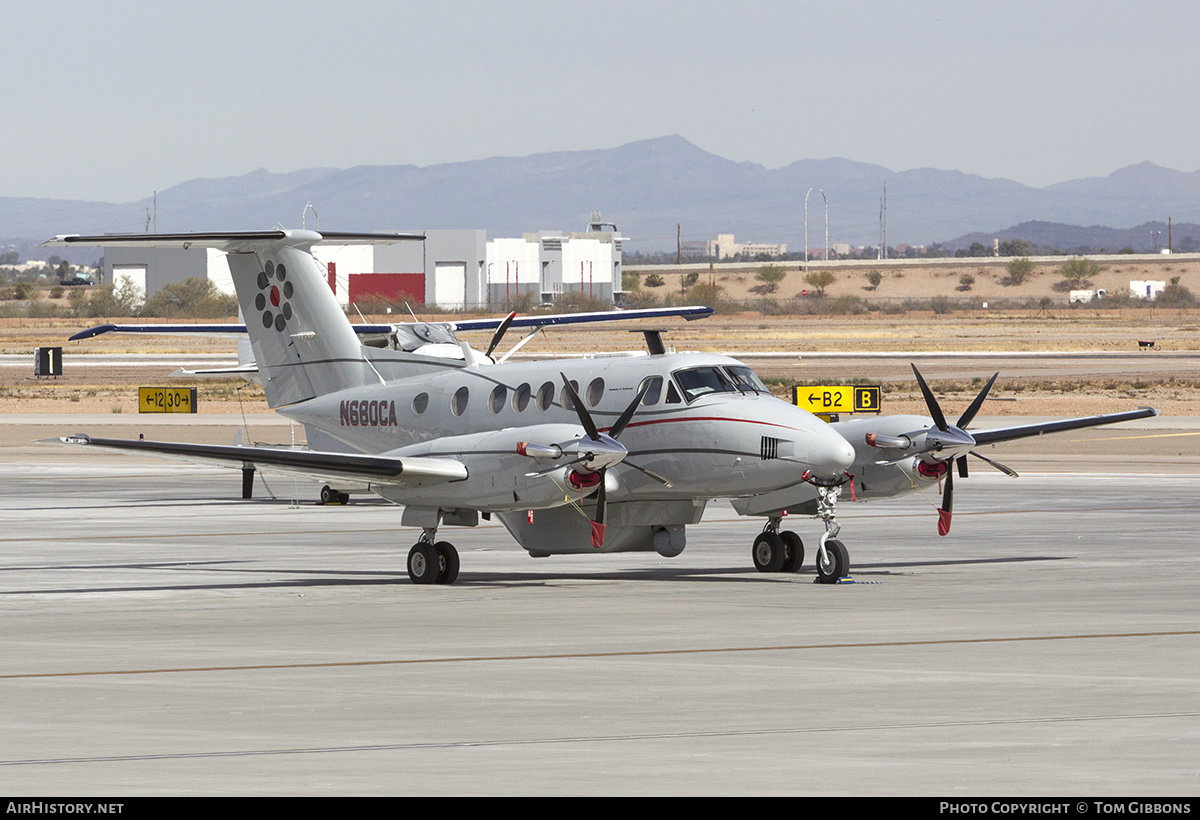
<point x="644" y="526"/>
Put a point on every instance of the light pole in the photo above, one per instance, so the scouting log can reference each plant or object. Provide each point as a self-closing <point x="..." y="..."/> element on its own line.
<point x="826" y="224"/>
<point x="810" y="190"/>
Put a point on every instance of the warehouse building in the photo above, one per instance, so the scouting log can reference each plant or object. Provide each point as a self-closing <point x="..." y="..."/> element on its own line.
<point x="452" y="269"/>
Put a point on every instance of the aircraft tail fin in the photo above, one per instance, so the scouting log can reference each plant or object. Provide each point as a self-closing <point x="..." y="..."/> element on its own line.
<point x="302" y="341"/>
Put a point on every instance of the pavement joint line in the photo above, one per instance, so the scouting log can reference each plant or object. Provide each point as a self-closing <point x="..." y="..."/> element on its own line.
<point x="538" y="741"/>
<point x="595" y="655"/>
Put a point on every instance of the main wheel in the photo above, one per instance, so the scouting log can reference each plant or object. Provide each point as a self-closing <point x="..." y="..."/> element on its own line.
<point x="447" y="562"/>
<point x="793" y="551"/>
<point x="328" y="495"/>
<point x="836" y="564"/>
<point x="424" y="565"/>
<point x="768" y="552"/>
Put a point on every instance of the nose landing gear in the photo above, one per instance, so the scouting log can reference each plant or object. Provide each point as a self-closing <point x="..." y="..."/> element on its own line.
<point x="778" y="550"/>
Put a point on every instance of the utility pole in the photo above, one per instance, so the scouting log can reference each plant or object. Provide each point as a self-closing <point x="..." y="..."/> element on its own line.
<point x="678" y="244"/>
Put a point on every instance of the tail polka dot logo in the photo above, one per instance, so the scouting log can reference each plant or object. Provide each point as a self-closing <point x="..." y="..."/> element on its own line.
<point x="274" y="294"/>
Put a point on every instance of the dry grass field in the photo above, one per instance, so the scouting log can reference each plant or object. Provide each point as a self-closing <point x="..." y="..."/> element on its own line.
<point x="1160" y="379"/>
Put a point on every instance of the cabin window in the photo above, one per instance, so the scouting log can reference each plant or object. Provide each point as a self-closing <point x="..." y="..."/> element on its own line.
<point x="420" y="403"/>
<point x="653" y="392"/>
<point x="595" y="391"/>
<point x="545" y="396"/>
<point x="458" y="405"/>
<point x="498" y="398"/>
<point x="565" y="398"/>
<point x="521" y="397"/>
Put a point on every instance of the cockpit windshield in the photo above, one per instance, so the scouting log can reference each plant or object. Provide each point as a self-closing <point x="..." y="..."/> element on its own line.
<point x="701" y="381"/>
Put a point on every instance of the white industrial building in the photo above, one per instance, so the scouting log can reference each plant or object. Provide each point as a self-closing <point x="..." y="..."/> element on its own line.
<point x="452" y="269"/>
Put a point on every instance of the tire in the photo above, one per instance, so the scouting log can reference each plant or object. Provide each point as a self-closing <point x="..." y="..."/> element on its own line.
<point x="328" y="495"/>
<point x="767" y="552"/>
<point x="793" y="551"/>
<point x="447" y="562"/>
<point x="424" y="566"/>
<point x="837" y="565"/>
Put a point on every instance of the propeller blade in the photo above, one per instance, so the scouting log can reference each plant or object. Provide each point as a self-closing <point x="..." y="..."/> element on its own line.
<point x="650" y="473"/>
<point x="598" y="521"/>
<point x="500" y="331"/>
<point x="619" y="427"/>
<point x="969" y="415"/>
<point x="947" y="508"/>
<point x="585" y="418"/>
<point x="961" y="461"/>
<point x="1008" y="471"/>
<point x="519" y="345"/>
<point x="935" y="410"/>
<point x="555" y="468"/>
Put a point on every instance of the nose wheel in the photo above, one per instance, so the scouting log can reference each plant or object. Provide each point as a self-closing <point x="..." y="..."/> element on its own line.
<point x="833" y="562"/>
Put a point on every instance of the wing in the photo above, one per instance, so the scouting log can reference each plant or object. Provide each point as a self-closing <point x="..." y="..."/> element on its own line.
<point x="356" y="467"/>
<point x="999" y="434"/>
<point x="690" y="313"/>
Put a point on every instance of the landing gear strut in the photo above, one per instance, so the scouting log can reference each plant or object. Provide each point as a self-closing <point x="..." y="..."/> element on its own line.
<point x="833" y="561"/>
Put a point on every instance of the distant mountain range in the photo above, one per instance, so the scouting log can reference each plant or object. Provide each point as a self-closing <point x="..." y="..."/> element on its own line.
<point x="647" y="188"/>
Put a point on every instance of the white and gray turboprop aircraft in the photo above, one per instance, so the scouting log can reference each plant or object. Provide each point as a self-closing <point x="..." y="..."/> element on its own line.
<point x="610" y="453"/>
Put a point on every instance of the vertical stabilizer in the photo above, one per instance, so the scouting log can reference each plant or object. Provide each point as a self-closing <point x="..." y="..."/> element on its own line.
<point x="302" y="341"/>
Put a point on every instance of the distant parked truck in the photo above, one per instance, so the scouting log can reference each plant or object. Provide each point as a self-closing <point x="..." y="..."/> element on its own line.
<point x="1085" y="296"/>
<point x="1146" y="288"/>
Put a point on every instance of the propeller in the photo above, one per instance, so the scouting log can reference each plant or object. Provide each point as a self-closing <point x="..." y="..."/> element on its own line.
<point x="594" y="454"/>
<point x="596" y="437"/>
<point x="956" y="442"/>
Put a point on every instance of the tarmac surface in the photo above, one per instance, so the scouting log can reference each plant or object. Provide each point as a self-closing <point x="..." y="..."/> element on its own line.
<point x="160" y="636"/>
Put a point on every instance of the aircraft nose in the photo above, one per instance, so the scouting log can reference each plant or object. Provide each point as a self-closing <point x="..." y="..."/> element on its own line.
<point x="829" y="454"/>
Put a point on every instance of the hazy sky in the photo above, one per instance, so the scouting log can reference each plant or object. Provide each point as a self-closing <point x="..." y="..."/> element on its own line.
<point x="113" y="100"/>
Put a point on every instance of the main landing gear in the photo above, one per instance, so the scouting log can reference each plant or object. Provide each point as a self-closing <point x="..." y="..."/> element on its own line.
<point x="433" y="563"/>
<point x="332" y="496"/>
<point x="778" y="550"/>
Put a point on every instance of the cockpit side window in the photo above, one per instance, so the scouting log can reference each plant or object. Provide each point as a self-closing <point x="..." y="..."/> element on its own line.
<point x="653" y="392"/>
<point x="747" y="379"/>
